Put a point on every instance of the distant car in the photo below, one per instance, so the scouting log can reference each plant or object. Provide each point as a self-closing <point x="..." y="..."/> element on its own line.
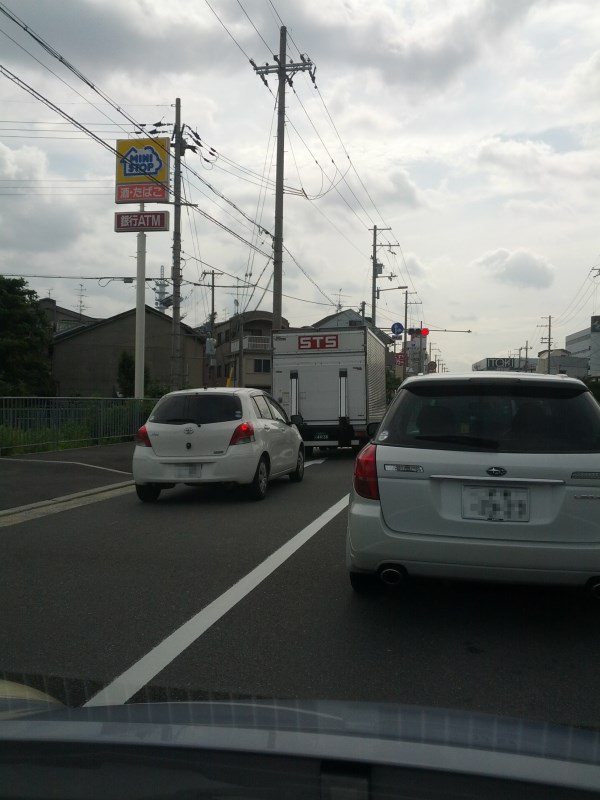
<point x="486" y="476"/>
<point x="221" y="435"/>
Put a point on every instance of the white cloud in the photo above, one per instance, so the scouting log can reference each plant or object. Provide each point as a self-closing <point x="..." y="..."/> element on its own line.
<point x="518" y="268"/>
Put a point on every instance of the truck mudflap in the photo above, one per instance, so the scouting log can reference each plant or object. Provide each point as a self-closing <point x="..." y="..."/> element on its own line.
<point x="343" y="434"/>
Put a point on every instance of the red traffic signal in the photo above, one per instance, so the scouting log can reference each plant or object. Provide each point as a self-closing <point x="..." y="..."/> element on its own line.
<point x="418" y="331"/>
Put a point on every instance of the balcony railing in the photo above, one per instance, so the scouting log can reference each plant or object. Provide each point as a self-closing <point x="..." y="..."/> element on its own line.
<point x="252" y="344"/>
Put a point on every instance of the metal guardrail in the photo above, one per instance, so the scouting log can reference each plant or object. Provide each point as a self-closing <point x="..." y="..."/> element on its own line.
<point x="34" y="424"/>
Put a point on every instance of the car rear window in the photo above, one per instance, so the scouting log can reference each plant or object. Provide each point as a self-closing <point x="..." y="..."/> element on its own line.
<point x="511" y="417"/>
<point x="202" y="409"/>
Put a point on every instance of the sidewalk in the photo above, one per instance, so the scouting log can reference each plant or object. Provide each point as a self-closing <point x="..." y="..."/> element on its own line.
<point x="44" y="476"/>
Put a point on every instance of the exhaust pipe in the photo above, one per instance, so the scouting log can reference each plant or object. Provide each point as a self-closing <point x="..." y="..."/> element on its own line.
<point x="392" y="576"/>
<point x="594" y="588"/>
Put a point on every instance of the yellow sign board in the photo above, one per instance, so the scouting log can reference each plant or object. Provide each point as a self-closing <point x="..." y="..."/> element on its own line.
<point x="142" y="170"/>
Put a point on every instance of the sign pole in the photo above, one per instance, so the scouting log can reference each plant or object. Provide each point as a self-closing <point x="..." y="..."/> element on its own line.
<point x="140" y="313"/>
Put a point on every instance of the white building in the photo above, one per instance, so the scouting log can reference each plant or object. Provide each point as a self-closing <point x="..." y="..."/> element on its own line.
<point x="510" y="364"/>
<point x="562" y="362"/>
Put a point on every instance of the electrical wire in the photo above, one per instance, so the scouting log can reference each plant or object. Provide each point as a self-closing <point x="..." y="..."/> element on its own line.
<point x="4" y="10"/>
<point x="266" y="44"/>
<point x="228" y="32"/>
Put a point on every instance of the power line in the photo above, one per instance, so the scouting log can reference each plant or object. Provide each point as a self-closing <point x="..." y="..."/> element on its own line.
<point x="241" y="281"/>
<point x="52" y="52"/>
<point x="228" y="32"/>
<point x="266" y="44"/>
<point x="55" y="54"/>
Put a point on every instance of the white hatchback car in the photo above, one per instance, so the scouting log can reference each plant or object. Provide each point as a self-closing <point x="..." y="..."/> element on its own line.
<point x="486" y="476"/>
<point x="220" y="435"/>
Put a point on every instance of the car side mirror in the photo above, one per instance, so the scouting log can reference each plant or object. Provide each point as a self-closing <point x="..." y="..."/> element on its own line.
<point x="297" y="419"/>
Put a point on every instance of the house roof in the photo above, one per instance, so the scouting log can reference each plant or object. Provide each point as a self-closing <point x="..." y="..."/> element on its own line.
<point x="351" y="314"/>
<point x="85" y="329"/>
<point x="252" y="316"/>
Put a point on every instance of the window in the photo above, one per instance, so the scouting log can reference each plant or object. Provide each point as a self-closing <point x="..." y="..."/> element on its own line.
<point x="262" y="365"/>
<point x="227" y="335"/>
<point x="262" y="407"/>
<point x="494" y="416"/>
<point x="219" y="338"/>
<point x="276" y="410"/>
<point x="199" y="408"/>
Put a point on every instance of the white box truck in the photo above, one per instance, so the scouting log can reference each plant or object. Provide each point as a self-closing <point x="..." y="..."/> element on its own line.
<point x="332" y="382"/>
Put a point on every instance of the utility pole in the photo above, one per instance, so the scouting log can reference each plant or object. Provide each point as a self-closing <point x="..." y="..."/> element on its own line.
<point x="241" y="381"/>
<point x="176" y="371"/>
<point x="283" y="71"/>
<point x="376" y="269"/>
<point x="526" y="348"/>
<point x="211" y="331"/>
<point x="212" y="303"/>
<point x="549" y="340"/>
<point x="404" y="350"/>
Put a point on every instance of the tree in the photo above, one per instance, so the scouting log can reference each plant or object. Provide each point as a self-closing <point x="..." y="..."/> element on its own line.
<point x="126" y="374"/>
<point x="25" y="340"/>
<point x="126" y="379"/>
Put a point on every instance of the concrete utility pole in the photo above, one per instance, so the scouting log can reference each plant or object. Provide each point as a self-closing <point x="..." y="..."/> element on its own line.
<point x="549" y="340"/>
<point x="283" y="71"/>
<point x="405" y="358"/>
<point x="376" y="269"/>
<point x="241" y="377"/>
<point x="176" y="370"/>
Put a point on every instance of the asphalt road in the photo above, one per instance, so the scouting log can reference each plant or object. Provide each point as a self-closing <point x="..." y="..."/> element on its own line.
<point x="205" y="594"/>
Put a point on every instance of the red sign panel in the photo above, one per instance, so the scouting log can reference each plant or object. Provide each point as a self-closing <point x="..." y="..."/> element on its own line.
<point x="327" y="341"/>
<point x="128" y="221"/>
<point x="142" y="193"/>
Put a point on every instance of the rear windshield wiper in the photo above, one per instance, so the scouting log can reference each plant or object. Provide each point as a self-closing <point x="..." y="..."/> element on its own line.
<point x="452" y="438"/>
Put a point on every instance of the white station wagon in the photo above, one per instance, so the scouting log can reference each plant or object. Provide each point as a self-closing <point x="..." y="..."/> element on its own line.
<point x="222" y="435"/>
<point x="486" y="476"/>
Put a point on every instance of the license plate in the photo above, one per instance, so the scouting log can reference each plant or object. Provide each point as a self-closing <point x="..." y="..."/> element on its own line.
<point x="495" y="504"/>
<point x="321" y="436"/>
<point x="187" y="470"/>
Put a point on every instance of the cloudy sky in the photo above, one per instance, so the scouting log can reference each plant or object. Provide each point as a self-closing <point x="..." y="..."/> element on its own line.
<point x="469" y="128"/>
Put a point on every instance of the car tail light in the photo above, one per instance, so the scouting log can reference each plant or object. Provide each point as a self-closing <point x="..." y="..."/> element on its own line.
<point x="141" y="438"/>
<point x="243" y="434"/>
<point x="365" y="473"/>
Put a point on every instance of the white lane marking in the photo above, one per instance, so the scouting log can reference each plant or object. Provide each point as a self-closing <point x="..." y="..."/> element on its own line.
<point x="148" y="667"/>
<point x="56" y="461"/>
<point x="14" y="516"/>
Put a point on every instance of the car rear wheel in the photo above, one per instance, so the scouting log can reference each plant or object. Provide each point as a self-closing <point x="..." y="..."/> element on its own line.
<point x="258" y="487"/>
<point x="147" y="492"/>
<point x="297" y="475"/>
<point x="364" y="582"/>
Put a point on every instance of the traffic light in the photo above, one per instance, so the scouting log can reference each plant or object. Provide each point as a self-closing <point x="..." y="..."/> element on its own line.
<point x="418" y="331"/>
